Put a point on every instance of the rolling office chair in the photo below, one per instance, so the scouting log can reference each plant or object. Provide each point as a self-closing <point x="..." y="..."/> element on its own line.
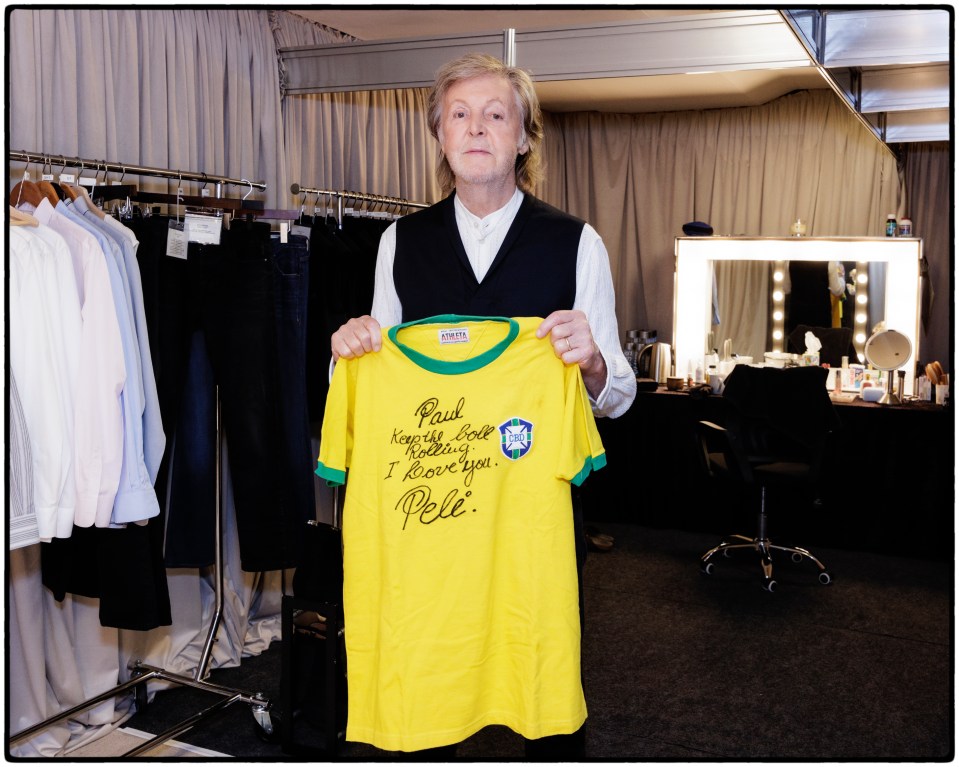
<point x="778" y="422"/>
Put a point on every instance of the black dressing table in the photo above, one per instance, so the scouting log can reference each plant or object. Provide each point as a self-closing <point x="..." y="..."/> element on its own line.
<point x="889" y="487"/>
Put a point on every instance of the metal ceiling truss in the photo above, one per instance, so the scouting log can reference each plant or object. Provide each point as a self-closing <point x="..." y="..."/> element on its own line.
<point x="727" y="41"/>
<point x="893" y="66"/>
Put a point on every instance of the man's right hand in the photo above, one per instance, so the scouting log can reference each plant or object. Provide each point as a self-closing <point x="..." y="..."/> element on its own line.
<point x="356" y="337"/>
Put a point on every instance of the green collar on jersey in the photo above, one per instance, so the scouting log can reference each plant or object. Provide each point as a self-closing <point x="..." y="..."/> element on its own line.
<point x="457" y="367"/>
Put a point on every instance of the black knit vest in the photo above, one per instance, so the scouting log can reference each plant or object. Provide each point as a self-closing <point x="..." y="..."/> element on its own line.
<point x="533" y="274"/>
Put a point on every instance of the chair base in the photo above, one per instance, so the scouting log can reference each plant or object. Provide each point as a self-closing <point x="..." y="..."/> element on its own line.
<point x="764" y="547"/>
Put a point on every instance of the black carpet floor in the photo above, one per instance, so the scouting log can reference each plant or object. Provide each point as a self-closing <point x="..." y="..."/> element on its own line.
<point x="684" y="667"/>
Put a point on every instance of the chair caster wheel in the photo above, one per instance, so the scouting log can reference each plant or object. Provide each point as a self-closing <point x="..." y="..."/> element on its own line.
<point x="708" y="568"/>
<point x="770" y="585"/>
<point x="825" y="578"/>
<point x="797" y="557"/>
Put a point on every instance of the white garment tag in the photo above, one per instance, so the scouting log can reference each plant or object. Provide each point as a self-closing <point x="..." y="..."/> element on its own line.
<point x="204" y="192"/>
<point x="284" y="232"/>
<point x="88" y="181"/>
<point x="454" y="336"/>
<point x="46" y="177"/>
<point x="302" y="231"/>
<point x="176" y="242"/>
<point x="203" y="229"/>
<point x="68" y="178"/>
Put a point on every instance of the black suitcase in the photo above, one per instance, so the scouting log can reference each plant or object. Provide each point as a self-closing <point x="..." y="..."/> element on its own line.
<point x="313" y="681"/>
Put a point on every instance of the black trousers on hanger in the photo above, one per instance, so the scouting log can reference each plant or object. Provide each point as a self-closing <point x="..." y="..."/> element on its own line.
<point x="342" y="265"/>
<point x="228" y="294"/>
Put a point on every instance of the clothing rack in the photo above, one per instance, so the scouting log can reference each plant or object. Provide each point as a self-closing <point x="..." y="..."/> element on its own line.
<point x="358" y="196"/>
<point x="142" y="673"/>
<point x="108" y="166"/>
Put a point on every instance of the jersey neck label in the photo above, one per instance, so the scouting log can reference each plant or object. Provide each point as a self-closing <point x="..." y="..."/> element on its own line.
<point x="454" y="336"/>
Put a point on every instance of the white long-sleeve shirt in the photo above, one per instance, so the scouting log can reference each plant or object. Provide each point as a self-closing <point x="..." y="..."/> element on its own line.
<point x="98" y="425"/>
<point x="37" y="362"/>
<point x="482" y="239"/>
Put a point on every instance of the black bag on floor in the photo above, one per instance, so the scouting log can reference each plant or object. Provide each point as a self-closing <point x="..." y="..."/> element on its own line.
<point x="313" y="683"/>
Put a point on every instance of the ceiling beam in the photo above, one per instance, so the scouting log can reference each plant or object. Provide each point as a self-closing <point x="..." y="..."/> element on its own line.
<point x="886" y="37"/>
<point x="727" y="41"/>
<point x="892" y="66"/>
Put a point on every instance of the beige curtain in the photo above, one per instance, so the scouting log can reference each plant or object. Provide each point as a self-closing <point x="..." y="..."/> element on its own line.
<point x="749" y="171"/>
<point x="742" y="295"/>
<point x="929" y="173"/>
<point x="192" y="90"/>
<point x="374" y="142"/>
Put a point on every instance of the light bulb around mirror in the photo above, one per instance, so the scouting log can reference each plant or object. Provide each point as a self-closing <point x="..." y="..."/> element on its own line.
<point x="777" y="296"/>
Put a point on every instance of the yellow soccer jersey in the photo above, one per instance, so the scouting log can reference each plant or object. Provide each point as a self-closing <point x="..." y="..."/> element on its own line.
<point x="461" y="437"/>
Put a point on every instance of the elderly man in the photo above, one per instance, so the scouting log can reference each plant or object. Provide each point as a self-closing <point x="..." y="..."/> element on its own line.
<point x="491" y="249"/>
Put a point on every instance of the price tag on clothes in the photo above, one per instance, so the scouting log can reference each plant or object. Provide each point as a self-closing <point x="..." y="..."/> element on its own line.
<point x="203" y="229"/>
<point x="176" y="242"/>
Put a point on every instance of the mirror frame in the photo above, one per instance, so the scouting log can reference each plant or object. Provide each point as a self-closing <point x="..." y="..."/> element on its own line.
<point x="692" y="295"/>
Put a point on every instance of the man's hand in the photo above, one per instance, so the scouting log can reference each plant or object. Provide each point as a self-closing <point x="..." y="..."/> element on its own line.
<point x="356" y="337"/>
<point x="572" y="340"/>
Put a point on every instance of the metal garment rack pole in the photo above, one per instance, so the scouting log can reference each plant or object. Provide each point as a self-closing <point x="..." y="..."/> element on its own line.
<point x="143" y="673"/>
<point x="137" y="170"/>
<point x="359" y="196"/>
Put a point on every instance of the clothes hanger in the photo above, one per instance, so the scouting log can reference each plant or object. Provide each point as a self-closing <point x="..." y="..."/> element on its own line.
<point x="47" y="190"/>
<point x="47" y="185"/>
<point x="69" y="193"/>
<point x="81" y="192"/>
<point x="26" y="191"/>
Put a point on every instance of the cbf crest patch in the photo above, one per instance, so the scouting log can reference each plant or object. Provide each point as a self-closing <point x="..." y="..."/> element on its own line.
<point x="516" y="438"/>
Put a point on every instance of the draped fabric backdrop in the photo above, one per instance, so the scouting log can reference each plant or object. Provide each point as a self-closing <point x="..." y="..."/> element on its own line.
<point x="746" y="171"/>
<point x="367" y="141"/>
<point x="200" y="90"/>
<point x="929" y="174"/>
<point x="192" y="90"/>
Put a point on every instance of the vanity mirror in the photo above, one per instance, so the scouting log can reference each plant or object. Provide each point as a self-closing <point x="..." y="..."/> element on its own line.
<point x="752" y="291"/>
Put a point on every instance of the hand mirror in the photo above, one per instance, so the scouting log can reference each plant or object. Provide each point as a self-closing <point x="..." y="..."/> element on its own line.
<point x="888" y="350"/>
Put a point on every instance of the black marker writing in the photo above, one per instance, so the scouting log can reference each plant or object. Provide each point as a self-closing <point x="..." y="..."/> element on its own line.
<point x="417" y="501"/>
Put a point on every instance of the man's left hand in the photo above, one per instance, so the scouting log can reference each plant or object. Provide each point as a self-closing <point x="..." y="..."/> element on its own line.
<point x="572" y="340"/>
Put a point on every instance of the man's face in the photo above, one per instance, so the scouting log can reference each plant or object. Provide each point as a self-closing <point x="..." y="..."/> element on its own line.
<point x="480" y="130"/>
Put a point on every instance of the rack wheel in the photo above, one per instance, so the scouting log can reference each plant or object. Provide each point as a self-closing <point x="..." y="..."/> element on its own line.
<point x="825" y="578"/>
<point x="263" y="735"/>
<point x="266" y="721"/>
<point x="140" y="698"/>
<point x="770" y="585"/>
<point x="797" y="557"/>
<point x="707" y="568"/>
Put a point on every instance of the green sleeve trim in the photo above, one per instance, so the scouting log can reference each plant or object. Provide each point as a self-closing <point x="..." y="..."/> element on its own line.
<point x="593" y="463"/>
<point x="333" y="477"/>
